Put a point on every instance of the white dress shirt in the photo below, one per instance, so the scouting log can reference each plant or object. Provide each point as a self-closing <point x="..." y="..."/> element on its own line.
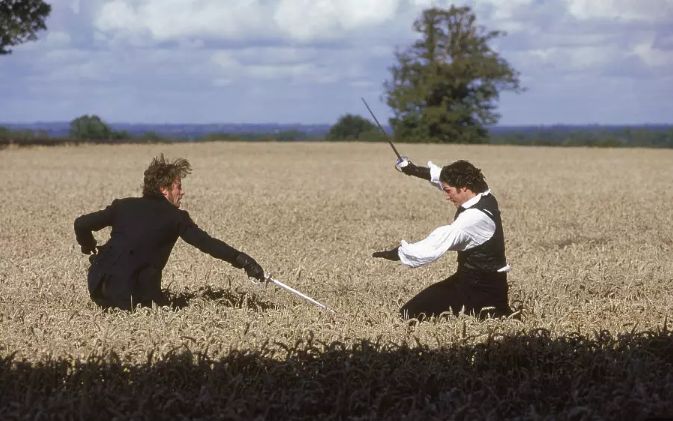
<point x="470" y="229"/>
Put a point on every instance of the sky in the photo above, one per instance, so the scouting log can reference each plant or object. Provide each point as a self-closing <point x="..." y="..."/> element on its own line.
<point x="310" y="61"/>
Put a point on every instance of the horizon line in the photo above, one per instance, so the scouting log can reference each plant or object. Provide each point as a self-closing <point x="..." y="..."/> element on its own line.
<point x="331" y="124"/>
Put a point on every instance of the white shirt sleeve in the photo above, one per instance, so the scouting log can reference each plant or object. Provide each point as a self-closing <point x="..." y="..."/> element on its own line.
<point x="434" y="174"/>
<point x="469" y="230"/>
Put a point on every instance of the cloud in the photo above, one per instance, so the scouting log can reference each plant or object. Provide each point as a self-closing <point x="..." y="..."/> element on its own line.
<point x="252" y="60"/>
<point x="622" y="10"/>
<point x="664" y="40"/>
<point x="508" y="14"/>
<point x="119" y="15"/>
<point x="74" y="5"/>
<point x="654" y="57"/>
<point x="299" y="20"/>
<point x="327" y="19"/>
<point x="52" y="40"/>
<point x="295" y="65"/>
<point x="176" y="20"/>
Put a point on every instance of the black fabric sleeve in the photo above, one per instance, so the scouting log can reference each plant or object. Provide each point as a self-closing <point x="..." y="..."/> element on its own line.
<point x="391" y="254"/>
<point x="192" y="234"/>
<point x="85" y="224"/>
<point x="416" y="171"/>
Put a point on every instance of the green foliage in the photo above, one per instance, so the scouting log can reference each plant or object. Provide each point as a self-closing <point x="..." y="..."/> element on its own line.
<point x="596" y="136"/>
<point x="353" y="127"/>
<point x="445" y="86"/>
<point x="372" y="135"/>
<point x="150" y="137"/>
<point x="91" y="127"/>
<point x="120" y="135"/>
<point x="224" y="136"/>
<point x="20" y="20"/>
<point x="8" y="136"/>
<point x="290" y="135"/>
<point x="281" y="136"/>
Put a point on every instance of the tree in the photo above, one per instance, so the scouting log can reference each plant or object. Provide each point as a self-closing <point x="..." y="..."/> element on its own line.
<point x="20" y="20"/>
<point x="290" y="135"/>
<point x="445" y="86"/>
<point x="151" y="136"/>
<point x="90" y="127"/>
<point x="353" y="127"/>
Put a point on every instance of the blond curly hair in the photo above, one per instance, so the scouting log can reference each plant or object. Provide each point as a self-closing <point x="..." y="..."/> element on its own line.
<point x="162" y="173"/>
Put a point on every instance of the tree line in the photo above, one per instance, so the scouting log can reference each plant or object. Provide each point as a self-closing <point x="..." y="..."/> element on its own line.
<point x="91" y="128"/>
<point x="657" y="136"/>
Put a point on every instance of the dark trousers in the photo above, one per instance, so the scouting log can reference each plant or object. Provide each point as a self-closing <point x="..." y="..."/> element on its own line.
<point x="468" y="291"/>
<point x="145" y="290"/>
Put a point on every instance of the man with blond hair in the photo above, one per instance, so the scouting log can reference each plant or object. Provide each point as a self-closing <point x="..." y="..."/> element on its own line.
<point x="127" y="270"/>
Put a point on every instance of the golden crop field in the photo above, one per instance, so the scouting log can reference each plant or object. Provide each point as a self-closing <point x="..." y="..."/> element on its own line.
<point x="589" y="235"/>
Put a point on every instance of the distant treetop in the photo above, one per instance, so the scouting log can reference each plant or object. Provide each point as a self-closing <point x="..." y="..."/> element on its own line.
<point x="445" y="86"/>
<point x="353" y="127"/>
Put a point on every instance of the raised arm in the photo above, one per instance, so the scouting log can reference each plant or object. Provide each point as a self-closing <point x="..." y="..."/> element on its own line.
<point x="409" y="168"/>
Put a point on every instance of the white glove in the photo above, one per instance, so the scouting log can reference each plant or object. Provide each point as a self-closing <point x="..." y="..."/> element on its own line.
<point x="401" y="163"/>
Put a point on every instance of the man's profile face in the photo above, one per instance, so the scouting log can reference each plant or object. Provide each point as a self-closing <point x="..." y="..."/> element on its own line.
<point x="174" y="193"/>
<point x="457" y="195"/>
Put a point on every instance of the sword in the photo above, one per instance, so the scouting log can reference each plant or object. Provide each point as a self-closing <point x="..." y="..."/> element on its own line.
<point x="278" y="283"/>
<point x="399" y="157"/>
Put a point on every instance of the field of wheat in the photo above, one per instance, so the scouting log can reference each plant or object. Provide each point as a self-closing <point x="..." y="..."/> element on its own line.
<point x="589" y="235"/>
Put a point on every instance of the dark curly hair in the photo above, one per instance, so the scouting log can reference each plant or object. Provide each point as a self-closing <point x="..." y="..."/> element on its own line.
<point x="162" y="173"/>
<point x="464" y="174"/>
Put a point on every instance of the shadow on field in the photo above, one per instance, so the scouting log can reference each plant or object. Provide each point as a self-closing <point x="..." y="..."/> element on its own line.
<point x="526" y="376"/>
<point x="227" y="297"/>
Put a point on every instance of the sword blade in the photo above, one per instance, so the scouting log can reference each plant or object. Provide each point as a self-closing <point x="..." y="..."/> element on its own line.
<point x="383" y="131"/>
<point x="300" y="294"/>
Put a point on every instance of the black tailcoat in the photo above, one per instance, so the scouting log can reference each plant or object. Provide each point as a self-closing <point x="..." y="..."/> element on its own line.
<point x="128" y="267"/>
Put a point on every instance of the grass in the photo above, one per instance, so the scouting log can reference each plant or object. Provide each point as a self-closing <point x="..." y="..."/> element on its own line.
<point x="588" y="235"/>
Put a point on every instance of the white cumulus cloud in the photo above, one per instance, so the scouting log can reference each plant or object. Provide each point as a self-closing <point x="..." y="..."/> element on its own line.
<point x="231" y="20"/>
<point x="171" y="20"/>
<point x="624" y="10"/>
<point x="324" y="19"/>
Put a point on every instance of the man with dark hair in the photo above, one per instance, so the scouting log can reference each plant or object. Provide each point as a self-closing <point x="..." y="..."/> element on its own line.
<point x="479" y="285"/>
<point x="126" y="271"/>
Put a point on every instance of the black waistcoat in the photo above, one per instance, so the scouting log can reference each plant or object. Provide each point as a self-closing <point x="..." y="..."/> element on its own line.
<point x="489" y="256"/>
